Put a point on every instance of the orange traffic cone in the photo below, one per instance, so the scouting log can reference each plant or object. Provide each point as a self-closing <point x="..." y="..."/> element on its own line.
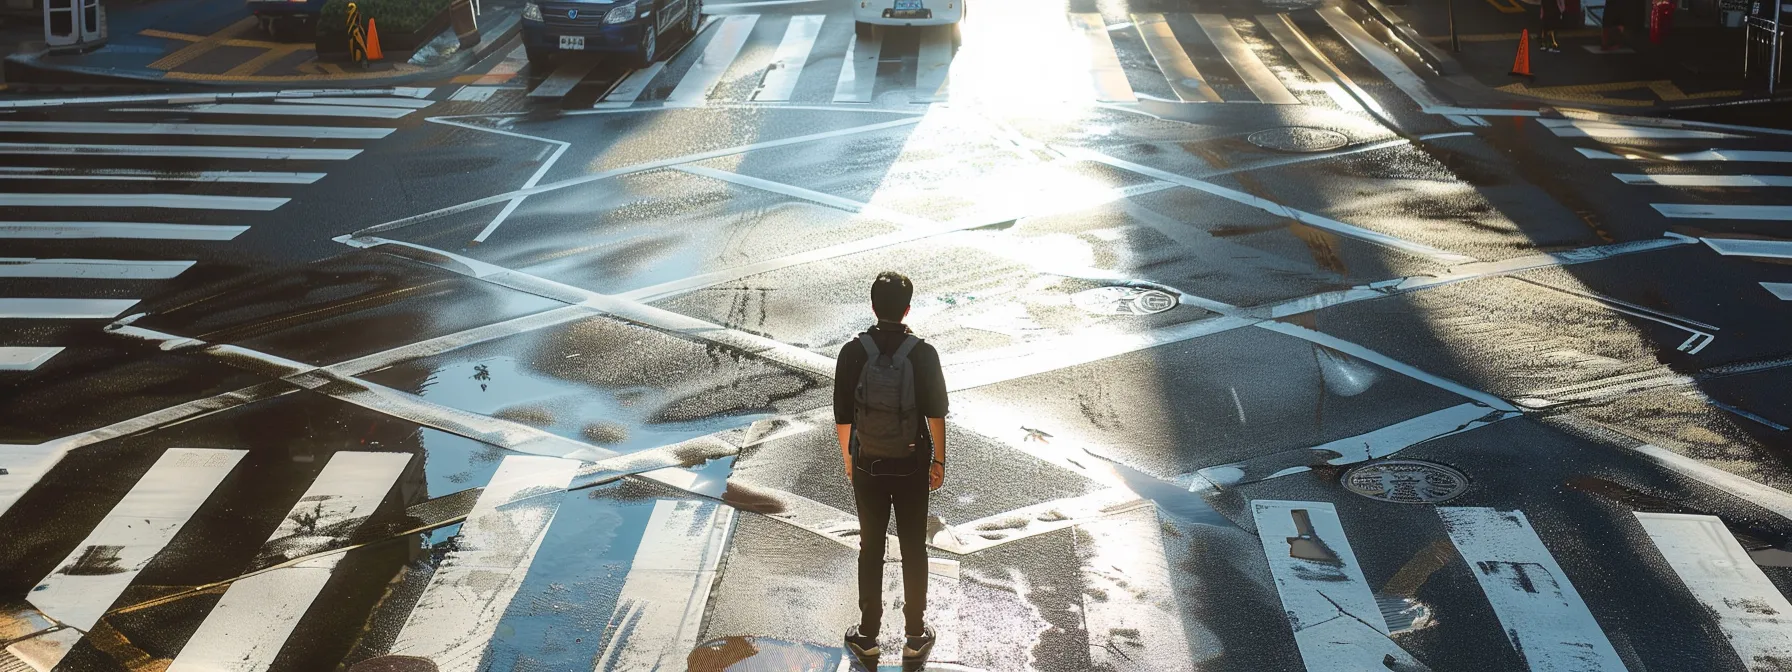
<point x="373" y="42"/>
<point x="1521" y="67"/>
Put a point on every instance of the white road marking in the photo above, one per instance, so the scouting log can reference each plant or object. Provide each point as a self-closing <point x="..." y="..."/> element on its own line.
<point x="1767" y="213"/>
<point x="177" y="201"/>
<point x="1364" y="353"/>
<point x="71" y="309"/>
<point x="1741" y="155"/>
<point x="1371" y="445"/>
<point x="517" y="200"/>
<point x="91" y="269"/>
<point x="1129" y="595"/>
<point x="787" y="63"/>
<point x="1748" y="607"/>
<point x="412" y="103"/>
<point x="25" y="358"/>
<point x="1604" y="130"/>
<point x="1385" y="61"/>
<point x="1106" y="77"/>
<point x="1783" y="290"/>
<point x="85" y="584"/>
<point x="127" y="230"/>
<point x="226" y="130"/>
<point x="1741" y="247"/>
<point x="460" y="608"/>
<point x="1766" y="497"/>
<point x="191" y="98"/>
<point x="794" y="191"/>
<point x="712" y="64"/>
<point x="858" y="70"/>
<point x="249" y="625"/>
<point x="1540" y="611"/>
<point x="278" y="110"/>
<point x="1172" y="61"/>
<point x="1256" y="76"/>
<point x="141" y="175"/>
<point x="564" y="78"/>
<point x="1336" y="85"/>
<point x="1328" y="603"/>
<point x="473" y="94"/>
<point x="1707" y="180"/>
<point x="183" y="151"/>
<point x="629" y="89"/>
<point x="664" y="598"/>
<point x="933" y="61"/>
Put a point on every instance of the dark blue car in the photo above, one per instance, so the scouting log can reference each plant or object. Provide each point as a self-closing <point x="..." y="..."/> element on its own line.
<point x="634" y="28"/>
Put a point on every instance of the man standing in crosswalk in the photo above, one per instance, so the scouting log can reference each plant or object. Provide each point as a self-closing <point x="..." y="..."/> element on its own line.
<point x="890" y="414"/>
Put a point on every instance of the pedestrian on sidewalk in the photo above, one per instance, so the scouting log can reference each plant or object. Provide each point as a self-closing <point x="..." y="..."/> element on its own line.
<point x="1550" y="18"/>
<point x="890" y="414"/>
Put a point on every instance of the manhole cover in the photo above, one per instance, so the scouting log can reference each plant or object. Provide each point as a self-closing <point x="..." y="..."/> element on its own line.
<point x="1123" y="301"/>
<point x="1406" y="482"/>
<point x="1299" y="139"/>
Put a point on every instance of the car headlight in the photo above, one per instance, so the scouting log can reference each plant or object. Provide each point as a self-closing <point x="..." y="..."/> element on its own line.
<point x="620" y="14"/>
<point x="531" y="11"/>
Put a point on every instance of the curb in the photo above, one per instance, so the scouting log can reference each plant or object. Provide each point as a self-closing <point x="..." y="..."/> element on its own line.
<point x="1397" y="28"/>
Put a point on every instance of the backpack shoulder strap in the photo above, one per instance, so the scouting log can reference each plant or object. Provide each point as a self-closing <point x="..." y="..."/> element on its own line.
<point x="871" y="352"/>
<point x="902" y="351"/>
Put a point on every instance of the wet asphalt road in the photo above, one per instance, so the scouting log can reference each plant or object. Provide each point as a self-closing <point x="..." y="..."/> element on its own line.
<point x="515" y="384"/>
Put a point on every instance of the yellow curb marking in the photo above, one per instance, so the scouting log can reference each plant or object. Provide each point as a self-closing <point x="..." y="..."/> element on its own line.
<point x="1511" y="37"/>
<point x="259" y="44"/>
<point x="204" y="46"/>
<point x="1509" y="7"/>
<point x="1590" y="93"/>
<point x="266" y="59"/>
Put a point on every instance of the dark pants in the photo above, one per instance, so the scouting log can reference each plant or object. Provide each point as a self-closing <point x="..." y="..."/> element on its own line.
<point x="875" y="497"/>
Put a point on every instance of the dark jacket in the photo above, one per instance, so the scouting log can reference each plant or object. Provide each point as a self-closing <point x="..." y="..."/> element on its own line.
<point x="930" y="381"/>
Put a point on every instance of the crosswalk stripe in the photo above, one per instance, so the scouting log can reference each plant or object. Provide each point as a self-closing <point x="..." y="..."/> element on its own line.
<point x="1741" y="155"/>
<point x="1251" y="69"/>
<point x="1384" y="61"/>
<point x="1167" y="51"/>
<point x="1749" y="609"/>
<point x="228" y="130"/>
<point x="1296" y="44"/>
<point x="1764" y="213"/>
<point x="247" y="628"/>
<point x="126" y="230"/>
<point x="1130" y="587"/>
<point x="68" y="309"/>
<point x="1337" y="624"/>
<point x="1707" y="180"/>
<point x="178" y="201"/>
<point x="91" y="269"/>
<point x="1106" y="76"/>
<point x="858" y="71"/>
<point x="1580" y="128"/>
<point x="663" y="600"/>
<point x="143" y="175"/>
<point x="1741" y="247"/>
<point x="933" y="60"/>
<point x="84" y="585"/>
<point x="412" y="103"/>
<point x="282" y="110"/>
<point x="1783" y="290"/>
<point x="25" y="358"/>
<point x="460" y="608"/>
<point x="182" y="151"/>
<point x="627" y="91"/>
<point x="712" y="64"/>
<point x="787" y="63"/>
<point x="1540" y="611"/>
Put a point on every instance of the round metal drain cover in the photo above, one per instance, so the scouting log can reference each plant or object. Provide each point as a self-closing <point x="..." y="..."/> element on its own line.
<point x="1406" y="482"/>
<point x="1298" y="139"/>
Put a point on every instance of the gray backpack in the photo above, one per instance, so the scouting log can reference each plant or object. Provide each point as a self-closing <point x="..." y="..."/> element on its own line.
<point x="884" y="413"/>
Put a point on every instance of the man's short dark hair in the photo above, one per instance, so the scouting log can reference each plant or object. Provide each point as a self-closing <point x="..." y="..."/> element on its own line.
<point x="890" y="294"/>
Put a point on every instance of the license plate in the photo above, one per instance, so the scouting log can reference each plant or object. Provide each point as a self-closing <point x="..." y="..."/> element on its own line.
<point x="908" y="5"/>
<point x="573" y="42"/>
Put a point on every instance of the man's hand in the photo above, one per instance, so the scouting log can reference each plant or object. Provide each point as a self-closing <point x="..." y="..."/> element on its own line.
<point x="936" y="476"/>
<point x="849" y="470"/>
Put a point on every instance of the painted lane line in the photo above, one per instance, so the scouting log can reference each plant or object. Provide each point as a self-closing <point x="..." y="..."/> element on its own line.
<point x="1371" y="445"/>
<point x="183" y="151"/>
<point x="787" y="63"/>
<point x="933" y="62"/>
<point x="1364" y="353"/>
<point x="1387" y="62"/>
<point x="794" y="510"/>
<point x="123" y="230"/>
<point x="278" y="110"/>
<point x="69" y="309"/>
<point x="989" y="532"/>
<point x="1739" y="155"/>
<point x="1773" y="500"/>
<point x="1106" y="77"/>
<point x="1721" y="576"/>
<point x="1266" y="205"/>
<point x="191" y="98"/>
<point x="25" y="358"/>
<point x="175" y="201"/>
<point x="1129" y="595"/>
<point x="1541" y="613"/>
<point x="85" y="584"/>
<point x="563" y="79"/>
<point x="663" y="600"/>
<point x="412" y="103"/>
<point x="141" y="175"/>
<point x="1706" y="180"/>
<point x="1782" y="290"/>
<point x="1251" y="69"/>
<point x="1337" y="624"/>
<point x="1336" y="85"/>
<point x="858" y="69"/>
<point x="1762" y="213"/>
<point x="829" y="200"/>
<point x="627" y="91"/>
<point x="1577" y="128"/>
<point x="223" y="130"/>
<point x="713" y="63"/>
<point x="1167" y="51"/>
<point x="91" y="269"/>
<point x="460" y="608"/>
<point x="560" y="147"/>
<point x="1008" y="363"/>
<point x="249" y="625"/>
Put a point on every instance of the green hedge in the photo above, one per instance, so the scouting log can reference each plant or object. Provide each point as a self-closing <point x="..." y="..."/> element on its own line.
<point x="393" y="17"/>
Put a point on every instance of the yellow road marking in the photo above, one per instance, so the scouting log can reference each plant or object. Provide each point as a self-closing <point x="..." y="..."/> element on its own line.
<point x="189" y="37"/>
<point x="1512" y="37"/>
<point x="1668" y="91"/>
<point x="331" y="68"/>
<point x="1510" y="6"/>
<point x="266" y="59"/>
<point x="203" y="46"/>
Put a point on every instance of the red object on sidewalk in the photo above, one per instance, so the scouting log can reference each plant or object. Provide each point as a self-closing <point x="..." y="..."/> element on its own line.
<point x="1521" y="66"/>
<point x="1661" y="16"/>
<point x="373" y="42"/>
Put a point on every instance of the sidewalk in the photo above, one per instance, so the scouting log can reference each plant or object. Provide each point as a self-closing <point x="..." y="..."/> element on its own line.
<point x="189" y="44"/>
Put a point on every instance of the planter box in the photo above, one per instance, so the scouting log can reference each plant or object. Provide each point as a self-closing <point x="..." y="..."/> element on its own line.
<point x="332" y="43"/>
